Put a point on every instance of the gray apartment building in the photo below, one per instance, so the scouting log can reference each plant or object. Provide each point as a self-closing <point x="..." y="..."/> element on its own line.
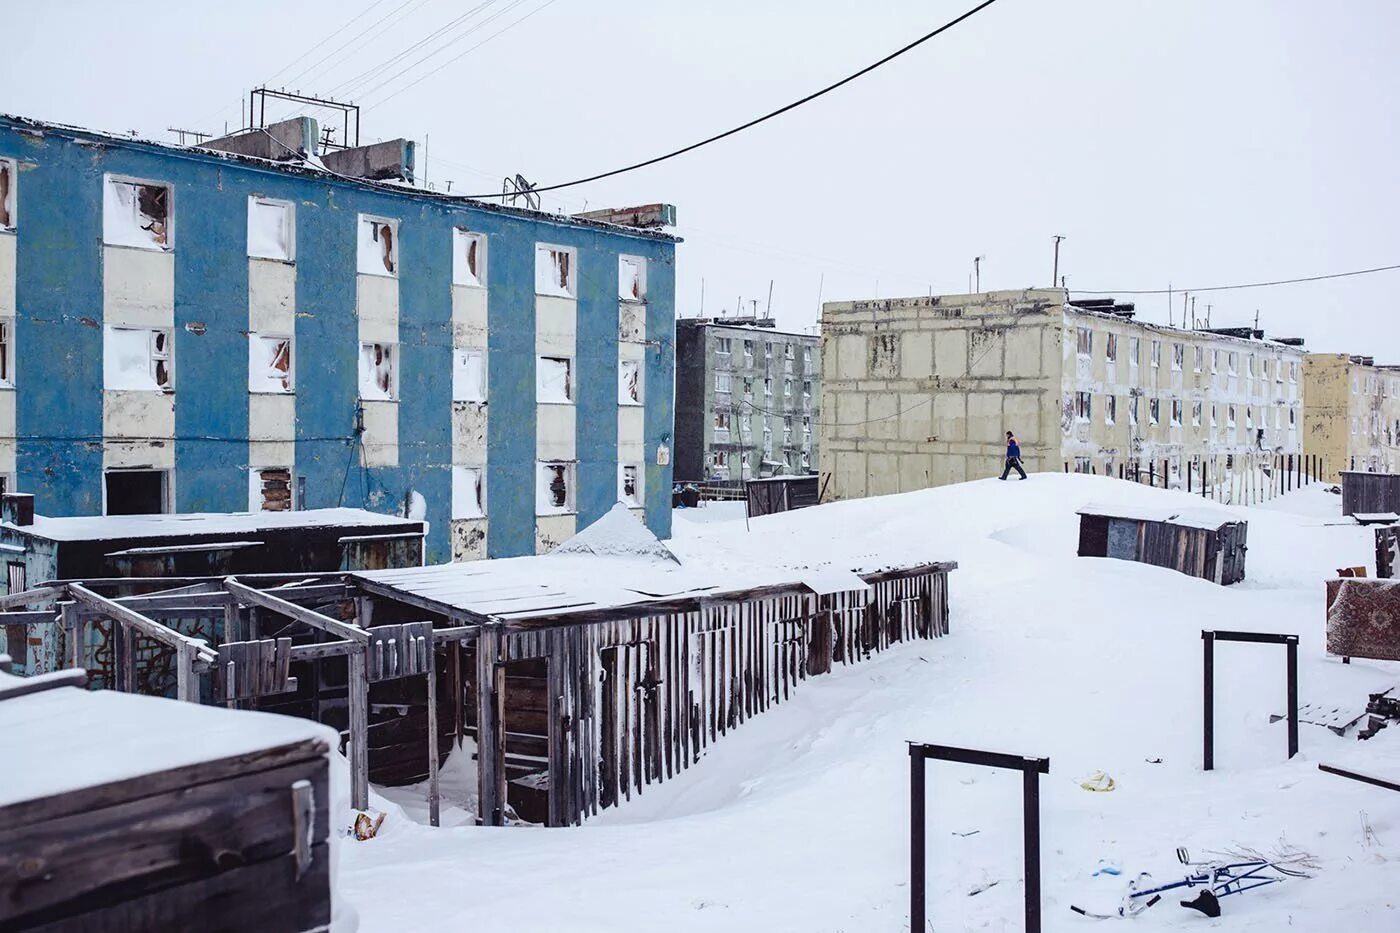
<point x="747" y="399"/>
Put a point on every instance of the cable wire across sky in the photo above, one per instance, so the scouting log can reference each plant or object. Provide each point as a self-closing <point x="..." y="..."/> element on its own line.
<point x="1226" y="288"/>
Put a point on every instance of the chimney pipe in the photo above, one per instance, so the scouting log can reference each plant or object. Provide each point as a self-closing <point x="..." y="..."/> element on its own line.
<point x="17" y="508"/>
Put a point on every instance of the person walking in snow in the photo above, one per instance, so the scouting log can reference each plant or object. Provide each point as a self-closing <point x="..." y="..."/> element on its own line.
<point x="1013" y="457"/>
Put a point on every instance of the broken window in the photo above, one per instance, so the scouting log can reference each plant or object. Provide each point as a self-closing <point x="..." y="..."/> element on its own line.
<point x="1200" y="360"/>
<point x="629" y="382"/>
<point x="1233" y="361"/>
<point x="631" y="278"/>
<point x="270" y="229"/>
<point x="1133" y="411"/>
<point x="768" y="388"/>
<point x="136" y="214"/>
<point x="807" y="432"/>
<point x="1215" y="361"/>
<point x="555" y="494"/>
<point x="1248" y="417"/>
<point x="722" y="426"/>
<point x="806" y="391"/>
<point x="1176" y="412"/>
<point x="468" y="258"/>
<point x="629" y="485"/>
<point x="554" y="380"/>
<point x="1196" y="414"/>
<point x="7" y="352"/>
<point x="767" y="439"/>
<point x="1110" y="347"/>
<point x="1249" y="364"/>
<point x="787" y="388"/>
<point x="468" y="492"/>
<point x="269" y="363"/>
<point x="1110" y="409"/>
<point x="1178" y="357"/>
<point x="378" y="252"/>
<point x="1156" y="353"/>
<point x="135" y="492"/>
<point x="1214" y="420"/>
<point x="787" y="431"/>
<point x="1086" y="341"/>
<point x="270" y="489"/>
<point x="806" y="357"/>
<point x="748" y="387"/>
<point x="1083" y="406"/>
<point x="748" y="352"/>
<point x="723" y="383"/>
<point x="1154" y="411"/>
<point x="7" y="194"/>
<point x="554" y="271"/>
<point x="136" y="359"/>
<point x="1134" y="351"/>
<point x="468" y="375"/>
<point x="1230" y="418"/>
<point x="379" y="379"/>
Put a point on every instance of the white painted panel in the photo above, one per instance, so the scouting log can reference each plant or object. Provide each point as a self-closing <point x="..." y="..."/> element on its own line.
<point x="377" y="306"/>
<point x="554" y="432"/>
<point x="272" y="290"/>
<point x="138" y="414"/>
<point x="271" y="453"/>
<point x="631" y="432"/>
<point x="138" y="287"/>
<point x="631" y="321"/>
<point x="272" y="418"/>
<point x="7" y="431"/>
<point x="469" y="433"/>
<point x="138" y="454"/>
<point x="552" y="531"/>
<point x="468" y="316"/>
<point x="7" y="274"/>
<point x="555" y="325"/>
<point x="469" y="539"/>
<point x="381" y="437"/>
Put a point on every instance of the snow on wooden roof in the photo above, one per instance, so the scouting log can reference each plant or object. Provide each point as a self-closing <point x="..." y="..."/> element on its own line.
<point x="110" y="527"/>
<point x="1209" y="519"/>
<point x="68" y="738"/>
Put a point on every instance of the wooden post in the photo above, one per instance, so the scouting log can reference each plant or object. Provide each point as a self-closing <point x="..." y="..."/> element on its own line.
<point x="186" y="682"/>
<point x="434" y="797"/>
<point x="73" y="629"/>
<point x="357" y="659"/>
<point x="232" y="627"/>
<point x="490" y="736"/>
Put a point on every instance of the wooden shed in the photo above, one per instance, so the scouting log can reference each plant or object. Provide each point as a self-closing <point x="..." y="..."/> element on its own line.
<point x="780" y="494"/>
<point x="1370" y="493"/>
<point x="124" y="812"/>
<point x="1204" y="543"/>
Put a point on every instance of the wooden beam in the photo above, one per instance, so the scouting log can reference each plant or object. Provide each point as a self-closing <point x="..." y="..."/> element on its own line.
<point x="68" y="677"/>
<point x="419" y="602"/>
<point x="148" y="627"/>
<point x="40" y="594"/>
<point x="434" y="790"/>
<point x="252" y="597"/>
<point x="359" y="727"/>
<point x="325" y="649"/>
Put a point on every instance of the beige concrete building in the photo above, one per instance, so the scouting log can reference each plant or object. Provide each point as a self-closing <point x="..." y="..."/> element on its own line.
<point x="1352" y="419"/>
<point x="920" y="392"/>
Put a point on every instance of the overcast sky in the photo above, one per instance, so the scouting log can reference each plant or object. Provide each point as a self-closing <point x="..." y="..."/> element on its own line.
<point x="1181" y="142"/>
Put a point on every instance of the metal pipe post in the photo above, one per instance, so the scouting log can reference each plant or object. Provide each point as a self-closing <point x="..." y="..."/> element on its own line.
<point x="1292" y="697"/>
<point x="1030" y="778"/>
<point x="1208" y="676"/>
<point x="917" y="853"/>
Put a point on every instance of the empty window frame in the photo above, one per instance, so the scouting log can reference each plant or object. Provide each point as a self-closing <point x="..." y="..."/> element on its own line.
<point x="8" y="174"/>
<point x="787" y="431"/>
<point x="1196" y="414"/>
<point x="1134" y="351"/>
<point x="748" y="387"/>
<point x="554" y="382"/>
<point x="748" y="352"/>
<point x="1214" y="416"/>
<point x="629" y="485"/>
<point x="270" y="489"/>
<point x="1154" y="411"/>
<point x="468" y="492"/>
<point x="1110" y="347"/>
<point x="7" y="352"/>
<point x="468" y="374"/>
<point x="136" y="492"/>
<point x="1230" y="416"/>
<point x="1110" y="409"/>
<point x="767" y="439"/>
<point x="787" y="388"/>
<point x="1178" y="357"/>
<point x="1083" y="406"/>
<point x="723" y="383"/>
<point x="723" y="346"/>
<point x="468" y="258"/>
<point x="806" y="390"/>
<point x="1232" y="362"/>
<point x="1176" y="412"/>
<point x="1199" y="362"/>
<point x="806" y="357"/>
<point x="1215" y="361"/>
<point x="629" y="382"/>
<point x="555" y="492"/>
<point x="768" y="387"/>
<point x="136" y="359"/>
<point x="271" y="229"/>
<point x="1086" y="341"/>
<point x="136" y="213"/>
<point x="269" y="364"/>
<point x="722" y="426"/>
<point x="378" y="252"/>
<point x="1133" y="411"/>
<point x="807" y="432"/>
<point x="379" y="372"/>
<point x="555" y="271"/>
<point x="1156" y="353"/>
<point x="631" y="278"/>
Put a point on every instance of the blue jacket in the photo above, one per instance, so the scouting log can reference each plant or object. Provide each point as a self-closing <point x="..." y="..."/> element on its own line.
<point x="1013" y="450"/>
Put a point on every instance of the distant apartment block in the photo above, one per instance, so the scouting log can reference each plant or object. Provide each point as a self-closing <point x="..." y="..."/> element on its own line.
<point x="230" y="327"/>
<point x="1352" y="419"/>
<point x="921" y="391"/>
<point x="747" y="399"/>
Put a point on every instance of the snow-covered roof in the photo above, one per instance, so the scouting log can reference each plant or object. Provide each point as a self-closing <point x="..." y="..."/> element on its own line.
<point x="1210" y="519"/>
<point x="67" y="738"/>
<point x="110" y="527"/>
<point x="618" y="534"/>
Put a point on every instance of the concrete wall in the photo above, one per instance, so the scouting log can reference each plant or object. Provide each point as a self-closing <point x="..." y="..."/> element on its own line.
<point x="920" y="392"/>
<point x="209" y="432"/>
<point x="1352" y="419"/>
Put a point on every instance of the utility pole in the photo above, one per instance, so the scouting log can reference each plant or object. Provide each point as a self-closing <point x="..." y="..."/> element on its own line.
<point x="768" y="312"/>
<point x="977" y="274"/>
<point x="1055" y="275"/>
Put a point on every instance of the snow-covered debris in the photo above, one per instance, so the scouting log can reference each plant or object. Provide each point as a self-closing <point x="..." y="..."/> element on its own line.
<point x="619" y="533"/>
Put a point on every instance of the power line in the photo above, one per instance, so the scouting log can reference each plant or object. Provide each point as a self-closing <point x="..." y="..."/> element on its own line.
<point x="359" y="79"/>
<point x="348" y="23"/>
<point x="1224" y="288"/>
<point x="368" y="29"/>
<point x="744" y="126"/>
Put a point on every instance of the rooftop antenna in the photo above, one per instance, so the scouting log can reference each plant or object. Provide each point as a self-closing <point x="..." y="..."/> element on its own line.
<point x="1055" y="276"/>
<point x="977" y="273"/>
<point x="1208" y="307"/>
<point x="702" y="296"/>
<point x="199" y="136"/>
<point x="768" y="311"/>
<point x="821" y="283"/>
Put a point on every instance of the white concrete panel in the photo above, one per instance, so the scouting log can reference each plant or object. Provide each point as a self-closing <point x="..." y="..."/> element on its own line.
<point x="631" y="321"/>
<point x="554" y="432"/>
<point x="381" y="437"/>
<point x="377" y="307"/>
<point x="272" y="290"/>
<point x="7" y="431"/>
<point x="950" y="353"/>
<point x="468" y="316"/>
<point x="631" y="433"/>
<point x="138" y="414"/>
<point x="555" y="325"/>
<point x="469" y="433"/>
<point x="552" y="531"/>
<point x="7" y="274"/>
<point x="138" y="287"/>
<point x="138" y="454"/>
<point x="469" y="538"/>
<point x="272" y="454"/>
<point x="271" y="417"/>
<point x="632" y="351"/>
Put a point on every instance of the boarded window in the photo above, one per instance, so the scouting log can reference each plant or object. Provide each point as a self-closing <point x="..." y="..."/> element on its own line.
<point x="136" y="359"/>
<point x="270" y="489"/>
<point x="379" y="379"/>
<point x="629" y="484"/>
<point x="554" y="271"/>
<point x="270" y="229"/>
<point x="468" y="258"/>
<point x="7" y="194"/>
<point x="378" y="252"/>
<point x="631" y="278"/>
<point x="136" y="214"/>
<point x="554" y="380"/>
<point x="555" y="493"/>
<point x="269" y="363"/>
<point x="7" y="352"/>
<point x="629" y="382"/>
<point x="468" y="492"/>
<point x="468" y="375"/>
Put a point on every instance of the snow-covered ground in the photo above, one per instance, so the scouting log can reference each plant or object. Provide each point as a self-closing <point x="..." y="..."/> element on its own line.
<point x="799" y="820"/>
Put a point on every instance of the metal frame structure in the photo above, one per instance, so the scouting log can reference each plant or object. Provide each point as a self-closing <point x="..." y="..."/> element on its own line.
<point x="1363" y="778"/>
<point x="1030" y="768"/>
<point x="1208" y="640"/>
<point x="257" y="104"/>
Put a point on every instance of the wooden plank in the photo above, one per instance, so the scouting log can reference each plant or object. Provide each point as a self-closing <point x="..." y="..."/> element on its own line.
<point x="249" y="596"/>
<point x="434" y="789"/>
<point x="39" y="594"/>
<point x="128" y="617"/>
<point x="358" y="751"/>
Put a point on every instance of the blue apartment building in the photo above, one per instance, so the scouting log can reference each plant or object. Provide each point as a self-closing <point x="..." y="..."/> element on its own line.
<point x="188" y="330"/>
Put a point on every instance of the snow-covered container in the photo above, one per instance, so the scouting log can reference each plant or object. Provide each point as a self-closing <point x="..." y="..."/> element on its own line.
<point x="1370" y="493"/>
<point x="780" y="494"/>
<point x="1206" y="543"/>
<point x="124" y="812"/>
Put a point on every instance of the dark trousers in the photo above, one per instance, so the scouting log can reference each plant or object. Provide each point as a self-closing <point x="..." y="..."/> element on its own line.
<point x="1012" y="464"/>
